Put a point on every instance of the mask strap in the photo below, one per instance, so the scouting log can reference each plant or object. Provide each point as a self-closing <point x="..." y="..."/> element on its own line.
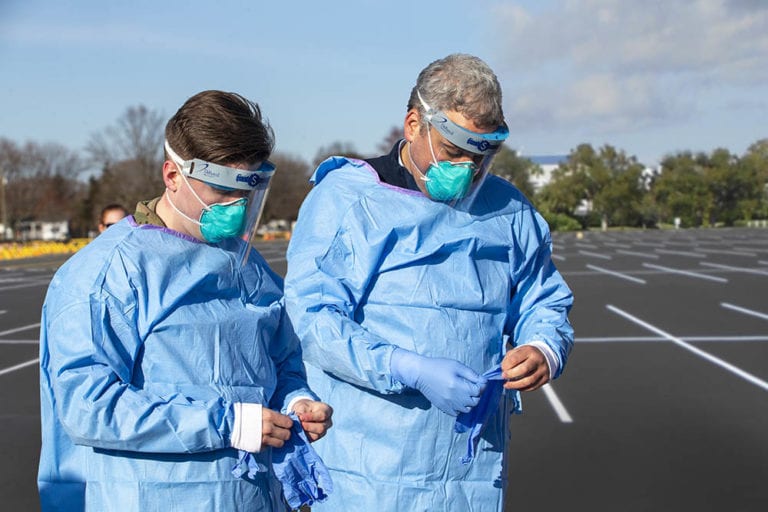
<point x="422" y="177"/>
<point x="180" y="166"/>
<point x="190" y="219"/>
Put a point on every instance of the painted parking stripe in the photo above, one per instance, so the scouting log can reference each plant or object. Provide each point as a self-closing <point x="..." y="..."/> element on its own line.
<point x="681" y="253"/>
<point x="556" y="404"/>
<point x="595" y="255"/>
<point x="735" y="269"/>
<point x="686" y="273"/>
<point x="558" y="257"/>
<point x="19" y="342"/>
<point x="640" y="254"/>
<point x="19" y="366"/>
<point x="744" y="310"/>
<point x="734" y="253"/>
<point x="616" y="274"/>
<point x="19" y="329"/>
<point x="705" y="355"/>
<point x="27" y="285"/>
<point x="635" y="339"/>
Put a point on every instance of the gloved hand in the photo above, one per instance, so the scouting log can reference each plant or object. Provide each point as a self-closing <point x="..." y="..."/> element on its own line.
<point x="451" y="386"/>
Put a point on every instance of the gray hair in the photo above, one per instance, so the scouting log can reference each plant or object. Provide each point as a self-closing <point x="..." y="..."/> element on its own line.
<point x="462" y="83"/>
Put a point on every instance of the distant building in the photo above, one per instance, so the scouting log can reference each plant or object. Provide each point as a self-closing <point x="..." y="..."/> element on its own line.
<point x="547" y="163"/>
<point x="42" y="230"/>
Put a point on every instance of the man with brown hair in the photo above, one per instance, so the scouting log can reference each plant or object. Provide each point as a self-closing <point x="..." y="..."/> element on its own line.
<point x="166" y="358"/>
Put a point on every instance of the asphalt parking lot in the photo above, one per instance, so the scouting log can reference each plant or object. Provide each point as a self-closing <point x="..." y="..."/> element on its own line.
<point x="663" y="406"/>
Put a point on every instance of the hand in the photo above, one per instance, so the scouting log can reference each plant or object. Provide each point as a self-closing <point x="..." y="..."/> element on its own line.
<point x="275" y="428"/>
<point x="451" y="386"/>
<point x="524" y="368"/>
<point x="315" y="417"/>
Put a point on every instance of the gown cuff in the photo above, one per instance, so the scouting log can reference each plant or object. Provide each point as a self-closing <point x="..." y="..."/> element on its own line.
<point x="246" y="432"/>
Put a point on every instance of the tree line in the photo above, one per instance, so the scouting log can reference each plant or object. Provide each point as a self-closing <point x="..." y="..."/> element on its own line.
<point x="591" y="187"/>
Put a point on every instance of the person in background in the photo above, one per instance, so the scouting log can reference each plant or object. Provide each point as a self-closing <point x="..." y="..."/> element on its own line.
<point x="110" y="214"/>
<point x="425" y="296"/>
<point x="166" y="356"/>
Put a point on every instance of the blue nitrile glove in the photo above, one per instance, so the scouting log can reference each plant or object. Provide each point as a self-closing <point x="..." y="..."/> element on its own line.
<point x="476" y="419"/>
<point x="302" y="472"/>
<point x="451" y="386"/>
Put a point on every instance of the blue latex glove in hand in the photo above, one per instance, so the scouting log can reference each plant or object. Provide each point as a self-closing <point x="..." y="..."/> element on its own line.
<point x="451" y="386"/>
<point x="302" y="473"/>
<point x="476" y="419"/>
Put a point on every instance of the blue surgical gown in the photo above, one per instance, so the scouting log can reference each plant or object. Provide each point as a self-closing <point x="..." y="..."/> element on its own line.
<point x="148" y="337"/>
<point x="372" y="267"/>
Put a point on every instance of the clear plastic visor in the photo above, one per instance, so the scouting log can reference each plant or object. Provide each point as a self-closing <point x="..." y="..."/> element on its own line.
<point x="252" y="184"/>
<point x="480" y="148"/>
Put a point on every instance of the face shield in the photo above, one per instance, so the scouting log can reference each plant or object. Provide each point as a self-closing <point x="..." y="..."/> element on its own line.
<point x="457" y="183"/>
<point x="230" y="219"/>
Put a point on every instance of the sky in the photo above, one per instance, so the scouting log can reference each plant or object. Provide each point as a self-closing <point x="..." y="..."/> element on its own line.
<point x="651" y="78"/>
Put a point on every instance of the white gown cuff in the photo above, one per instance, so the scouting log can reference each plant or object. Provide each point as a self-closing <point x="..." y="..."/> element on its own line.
<point x="246" y="432"/>
<point x="552" y="362"/>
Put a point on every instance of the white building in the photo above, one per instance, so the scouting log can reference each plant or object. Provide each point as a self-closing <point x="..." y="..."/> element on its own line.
<point x="547" y="164"/>
<point x="42" y="230"/>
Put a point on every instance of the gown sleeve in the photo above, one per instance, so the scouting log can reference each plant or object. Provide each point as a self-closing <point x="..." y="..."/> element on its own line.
<point x="92" y="351"/>
<point x="330" y="263"/>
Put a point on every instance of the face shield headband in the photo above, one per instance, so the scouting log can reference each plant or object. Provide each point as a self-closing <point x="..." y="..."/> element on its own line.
<point x="486" y="144"/>
<point x="221" y="176"/>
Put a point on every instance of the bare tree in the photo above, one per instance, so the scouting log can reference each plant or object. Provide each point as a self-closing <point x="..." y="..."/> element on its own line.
<point x="290" y="185"/>
<point x="130" y="155"/>
<point x="346" y="149"/>
<point x="137" y="135"/>
<point x="42" y="181"/>
<point x="394" y="135"/>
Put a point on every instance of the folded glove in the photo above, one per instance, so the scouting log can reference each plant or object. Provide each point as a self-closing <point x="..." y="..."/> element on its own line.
<point x="302" y="473"/>
<point x="476" y="419"/>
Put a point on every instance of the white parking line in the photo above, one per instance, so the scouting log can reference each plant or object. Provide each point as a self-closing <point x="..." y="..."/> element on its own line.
<point x="556" y="404"/>
<point x="640" y="254"/>
<point x="18" y="329"/>
<point x="558" y="257"/>
<point x="686" y="273"/>
<point x="736" y="269"/>
<point x="734" y="253"/>
<point x="762" y="262"/>
<point x="744" y="310"/>
<point x="616" y="274"/>
<point x="681" y="253"/>
<point x="28" y="285"/>
<point x="634" y="339"/>
<point x="19" y="366"/>
<point x="709" y="357"/>
<point x="595" y="255"/>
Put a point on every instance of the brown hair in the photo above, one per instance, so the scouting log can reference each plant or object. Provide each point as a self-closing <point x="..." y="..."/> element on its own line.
<point x="220" y="127"/>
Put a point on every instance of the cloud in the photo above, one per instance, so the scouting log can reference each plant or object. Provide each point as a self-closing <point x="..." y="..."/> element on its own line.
<point x="614" y="64"/>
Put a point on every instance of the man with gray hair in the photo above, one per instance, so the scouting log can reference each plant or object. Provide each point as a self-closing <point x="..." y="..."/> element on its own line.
<point x="425" y="297"/>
